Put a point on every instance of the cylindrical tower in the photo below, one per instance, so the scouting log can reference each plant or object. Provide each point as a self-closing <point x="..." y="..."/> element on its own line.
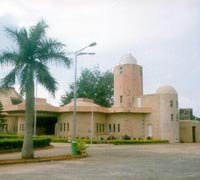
<point x="169" y="123"/>
<point x="128" y="81"/>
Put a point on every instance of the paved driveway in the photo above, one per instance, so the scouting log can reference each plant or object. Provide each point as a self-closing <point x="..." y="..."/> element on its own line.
<point x="109" y="162"/>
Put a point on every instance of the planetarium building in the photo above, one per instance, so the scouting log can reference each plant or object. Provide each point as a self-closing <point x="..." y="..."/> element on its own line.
<point x="133" y="113"/>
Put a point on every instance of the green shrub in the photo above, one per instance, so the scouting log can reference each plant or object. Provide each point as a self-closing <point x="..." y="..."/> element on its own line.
<point x="55" y="138"/>
<point x="9" y="144"/>
<point x="126" y="137"/>
<point x="6" y="136"/>
<point x="111" y="138"/>
<point x="117" y="142"/>
<point x="41" y="142"/>
<point x="88" y="141"/>
<point x="81" y="147"/>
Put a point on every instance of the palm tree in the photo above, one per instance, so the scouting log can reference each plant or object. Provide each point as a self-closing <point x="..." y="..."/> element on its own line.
<point x="29" y="61"/>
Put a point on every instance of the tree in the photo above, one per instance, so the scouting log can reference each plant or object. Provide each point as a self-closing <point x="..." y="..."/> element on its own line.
<point x="30" y="61"/>
<point x="2" y="116"/>
<point x="92" y="84"/>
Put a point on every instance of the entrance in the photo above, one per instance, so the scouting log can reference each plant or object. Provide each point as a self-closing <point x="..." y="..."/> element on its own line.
<point x="46" y="125"/>
<point x="150" y="130"/>
<point x="193" y="133"/>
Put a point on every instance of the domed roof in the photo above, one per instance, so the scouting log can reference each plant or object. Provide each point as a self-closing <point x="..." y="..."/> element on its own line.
<point x="82" y="102"/>
<point x="166" y="90"/>
<point x="128" y="59"/>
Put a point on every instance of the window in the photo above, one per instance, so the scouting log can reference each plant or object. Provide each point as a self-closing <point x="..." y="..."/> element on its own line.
<point x="121" y="70"/>
<point x="113" y="127"/>
<point x="118" y="127"/>
<point x="172" y="117"/>
<point x="103" y="128"/>
<point x="99" y="127"/>
<point x="110" y="128"/>
<point x="121" y="99"/>
<point x="64" y="124"/>
<point x="22" y="127"/>
<point x="67" y="126"/>
<point x="171" y="103"/>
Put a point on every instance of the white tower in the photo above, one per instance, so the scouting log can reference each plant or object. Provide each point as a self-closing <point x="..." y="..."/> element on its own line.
<point x="169" y="124"/>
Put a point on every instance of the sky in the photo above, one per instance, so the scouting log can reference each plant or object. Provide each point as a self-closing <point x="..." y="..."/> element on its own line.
<point x="163" y="35"/>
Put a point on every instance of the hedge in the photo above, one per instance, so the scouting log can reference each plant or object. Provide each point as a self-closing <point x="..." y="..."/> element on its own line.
<point x="6" y="136"/>
<point x="8" y="144"/>
<point x="118" y="142"/>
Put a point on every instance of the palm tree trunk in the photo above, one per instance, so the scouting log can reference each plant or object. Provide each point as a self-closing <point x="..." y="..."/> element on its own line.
<point x="28" y="149"/>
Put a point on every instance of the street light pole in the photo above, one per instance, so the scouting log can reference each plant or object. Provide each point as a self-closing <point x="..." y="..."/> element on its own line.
<point x="74" y="113"/>
<point x="76" y="54"/>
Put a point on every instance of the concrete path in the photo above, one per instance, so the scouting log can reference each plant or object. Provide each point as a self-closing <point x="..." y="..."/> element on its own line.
<point x="109" y="162"/>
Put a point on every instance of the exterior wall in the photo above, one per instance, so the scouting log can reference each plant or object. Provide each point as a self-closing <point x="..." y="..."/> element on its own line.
<point x="11" y="123"/>
<point x="130" y="124"/>
<point x="169" y="124"/>
<point x="84" y="124"/>
<point x="64" y="125"/>
<point x="128" y="83"/>
<point x="21" y="125"/>
<point x="99" y="126"/>
<point x="186" y="134"/>
<point x="152" y="119"/>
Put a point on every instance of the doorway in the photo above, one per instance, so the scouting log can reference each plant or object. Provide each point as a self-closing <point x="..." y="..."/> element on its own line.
<point x="46" y="125"/>
<point x="150" y="130"/>
<point x="193" y="133"/>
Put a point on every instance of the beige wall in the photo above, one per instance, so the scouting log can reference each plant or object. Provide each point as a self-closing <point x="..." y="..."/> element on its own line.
<point x="163" y="126"/>
<point x="130" y="124"/>
<point x="21" y="125"/>
<point x="169" y="117"/>
<point x="11" y="123"/>
<point x="84" y="124"/>
<point x="186" y="130"/>
<point x="154" y="117"/>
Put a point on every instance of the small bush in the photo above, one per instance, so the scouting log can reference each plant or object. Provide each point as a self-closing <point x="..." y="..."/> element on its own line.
<point x="41" y="142"/>
<point x="81" y="147"/>
<point x="149" y="138"/>
<point x="126" y="137"/>
<point x="111" y="138"/>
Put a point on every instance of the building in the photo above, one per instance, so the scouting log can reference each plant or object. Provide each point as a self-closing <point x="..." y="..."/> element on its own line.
<point x="133" y="114"/>
<point x="189" y="126"/>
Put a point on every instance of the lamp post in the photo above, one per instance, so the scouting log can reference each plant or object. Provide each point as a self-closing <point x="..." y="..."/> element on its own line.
<point x="92" y="124"/>
<point x="76" y="54"/>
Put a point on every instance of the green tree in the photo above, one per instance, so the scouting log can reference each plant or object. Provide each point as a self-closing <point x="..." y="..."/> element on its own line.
<point x="2" y="116"/>
<point x="29" y="61"/>
<point x="92" y="84"/>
